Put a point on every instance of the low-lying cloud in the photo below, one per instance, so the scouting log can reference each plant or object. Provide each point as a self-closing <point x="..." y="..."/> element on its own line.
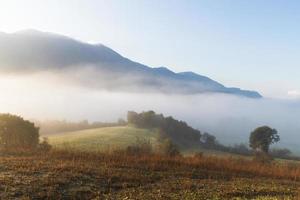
<point x="294" y="93"/>
<point x="50" y="95"/>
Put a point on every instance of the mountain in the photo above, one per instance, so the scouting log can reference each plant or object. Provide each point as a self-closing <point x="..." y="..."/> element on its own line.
<point x="100" y="67"/>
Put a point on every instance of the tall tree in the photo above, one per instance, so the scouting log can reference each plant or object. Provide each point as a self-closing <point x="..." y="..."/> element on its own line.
<point x="262" y="137"/>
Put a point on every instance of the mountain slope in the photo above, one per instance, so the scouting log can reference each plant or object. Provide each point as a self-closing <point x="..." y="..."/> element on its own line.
<point x="101" y="67"/>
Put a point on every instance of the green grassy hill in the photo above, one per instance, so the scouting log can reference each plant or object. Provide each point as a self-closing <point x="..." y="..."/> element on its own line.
<point x="102" y="138"/>
<point x="111" y="138"/>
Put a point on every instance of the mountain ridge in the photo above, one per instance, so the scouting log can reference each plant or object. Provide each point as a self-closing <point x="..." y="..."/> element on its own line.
<point x="37" y="51"/>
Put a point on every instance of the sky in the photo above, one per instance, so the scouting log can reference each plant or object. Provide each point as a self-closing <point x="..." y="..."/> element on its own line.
<point x="251" y="44"/>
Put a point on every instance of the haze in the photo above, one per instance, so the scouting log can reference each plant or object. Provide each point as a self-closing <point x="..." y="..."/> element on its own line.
<point x="50" y="95"/>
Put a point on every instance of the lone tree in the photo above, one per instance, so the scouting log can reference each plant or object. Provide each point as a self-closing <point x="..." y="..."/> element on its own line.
<point x="262" y="137"/>
<point x="17" y="133"/>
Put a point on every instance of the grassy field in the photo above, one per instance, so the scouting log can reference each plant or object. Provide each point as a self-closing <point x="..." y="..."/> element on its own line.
<point x="75" y="175"/>
<point x="78" y="168"/>
<point x="102" y="139"/>
<point x="110" y="138"/>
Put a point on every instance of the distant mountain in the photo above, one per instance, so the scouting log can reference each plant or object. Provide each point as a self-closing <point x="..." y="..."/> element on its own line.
<point x="30" y="51"/>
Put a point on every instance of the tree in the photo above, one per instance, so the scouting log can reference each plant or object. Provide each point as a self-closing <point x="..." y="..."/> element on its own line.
<point x="132" y="117"/>
<point x="121" y="122"/>
<point x="15" y="132"/>
<point x="208" y="140"/>
<point x="262" y="137"/>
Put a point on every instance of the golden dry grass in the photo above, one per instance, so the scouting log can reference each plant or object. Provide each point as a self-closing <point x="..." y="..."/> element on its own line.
<point x="85" y="175"/>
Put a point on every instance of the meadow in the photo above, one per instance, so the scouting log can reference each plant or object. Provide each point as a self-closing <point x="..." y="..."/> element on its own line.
<point x="62" y="174"/>
<point x="102" y="139"/>
<point x="94" y="164"/>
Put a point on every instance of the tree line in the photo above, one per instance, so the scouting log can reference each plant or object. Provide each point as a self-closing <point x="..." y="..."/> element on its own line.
<point x="178" y="131"/>
<point x="20" y="134"/>
<point x="185" y="136"/>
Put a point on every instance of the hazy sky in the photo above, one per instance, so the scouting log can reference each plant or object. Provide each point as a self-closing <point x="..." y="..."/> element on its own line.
<point x="251" y="44"/>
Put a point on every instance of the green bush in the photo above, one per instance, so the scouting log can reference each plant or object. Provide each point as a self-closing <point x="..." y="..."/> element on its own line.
<point x="17" y="133"/>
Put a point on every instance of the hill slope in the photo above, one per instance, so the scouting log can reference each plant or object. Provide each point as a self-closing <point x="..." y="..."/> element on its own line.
<point x="102" y="138"/>
<point x="101" y="67"/>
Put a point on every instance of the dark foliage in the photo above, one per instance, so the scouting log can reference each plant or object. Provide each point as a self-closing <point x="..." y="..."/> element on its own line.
<point x="141" y="147"/>
<point x="44" y="146"/>
<point x="262" y="137"/>
<point x="281" y="153"/>
<point x="209" y="141"/>
<point x="178" y="131"/>
<point x="181" y="134"/>
<point x="17" y="133"/>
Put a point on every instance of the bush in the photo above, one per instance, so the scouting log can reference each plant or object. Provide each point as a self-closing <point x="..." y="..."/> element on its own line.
<point x="281" y="153"/>
<point x="17" y="133"/>
<point x="141" y="147"/>
<point x="44" y="146"/>
<point x="168" y="148"/>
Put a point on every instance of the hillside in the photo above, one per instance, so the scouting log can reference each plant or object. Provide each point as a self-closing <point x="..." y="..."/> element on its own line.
<point x="102" y="138"/>
<point x="110" y="138"/>
<point x="99" y="66"/>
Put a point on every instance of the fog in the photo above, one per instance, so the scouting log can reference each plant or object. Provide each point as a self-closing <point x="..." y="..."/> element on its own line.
<point x="231" y="118"/>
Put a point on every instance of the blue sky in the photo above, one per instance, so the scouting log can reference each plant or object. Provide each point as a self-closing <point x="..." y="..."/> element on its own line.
<point x="251" y="44"/>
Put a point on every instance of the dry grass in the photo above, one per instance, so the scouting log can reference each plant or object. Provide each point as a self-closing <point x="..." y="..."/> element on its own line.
<point x="86" y="175"/>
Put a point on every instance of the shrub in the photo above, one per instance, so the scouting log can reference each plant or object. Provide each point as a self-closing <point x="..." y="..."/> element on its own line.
<point x="17" y="133"/>
<point x="281" y="153"/>
<point x="141" y="147"/>
<point x="44" y="146"/>
<point x="168" y="148"/>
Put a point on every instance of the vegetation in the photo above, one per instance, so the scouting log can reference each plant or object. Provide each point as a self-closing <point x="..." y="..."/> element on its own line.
<point x="49" y="127"/>
<point x="17" y="133"/>
<point x="19" y="136"/>
<point x="103" y="139"/>
<point x="260" y="140"/>
<point x="281" y="153"/>
<point x="178" y="132"/>
<point x="140" y="162"/>
<point x="87" y="175"/>
<point x="262" y="137"/>
<point x="121" y="137"/>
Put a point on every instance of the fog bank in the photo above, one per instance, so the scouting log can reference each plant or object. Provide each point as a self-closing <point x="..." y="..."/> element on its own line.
<point x="231" y="118"/>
